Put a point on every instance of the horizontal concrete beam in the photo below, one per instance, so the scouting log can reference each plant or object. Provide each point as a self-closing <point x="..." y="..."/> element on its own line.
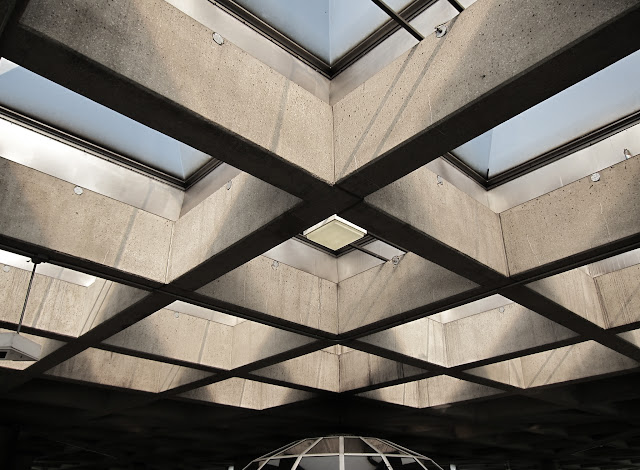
<point x="434" y="391"/>
<point x="360" y="370"/>
<point x="278" y="291"/>
<point x="44" y="211"/>
<point x="123" y="371"/>
<point x="319" y="370"/>
<point x="576" y="219"/>
<point x="494" y="63"/>
<point x="158" y="66"/>
<point x="444" y="214"/>
<point x="387" y="292"/>
<point x="620" y="294"/>
<point x="223" y="219"/>
<point x="245" y="393"/>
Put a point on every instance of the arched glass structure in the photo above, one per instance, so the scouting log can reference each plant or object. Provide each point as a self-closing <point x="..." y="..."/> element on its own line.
<point x="343" y="453"/>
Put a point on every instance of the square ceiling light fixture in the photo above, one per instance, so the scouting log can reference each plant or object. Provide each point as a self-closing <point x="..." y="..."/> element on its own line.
<point x="334" y="233"/>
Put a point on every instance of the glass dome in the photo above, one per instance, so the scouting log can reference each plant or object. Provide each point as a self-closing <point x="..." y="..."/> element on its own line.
<point x="343" y="453"/>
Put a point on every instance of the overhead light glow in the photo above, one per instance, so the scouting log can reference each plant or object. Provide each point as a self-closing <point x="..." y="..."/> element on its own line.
<point x="335" y="233"/>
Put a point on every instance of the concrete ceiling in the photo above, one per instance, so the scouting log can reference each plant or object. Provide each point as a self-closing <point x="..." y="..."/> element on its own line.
<point x="126" y="382"/>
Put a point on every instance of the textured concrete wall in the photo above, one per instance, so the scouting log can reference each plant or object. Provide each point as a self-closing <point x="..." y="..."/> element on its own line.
<point x="255" y="341"/>
<point x="508" y="372"/>
<point x="118" y="370"/>
<point x="439" y="77"/>
<point x="283" y="292"/>
<point x="575" y="290"/>
<point x="151" y="43"/>
<point x="318" y="369"/>
<point x="44" y="210"/>
<point x="185" y="338"/>
<point x="54" y="305"/>
<point x="387" y="290"/>
<point x="571" y="363"/>
<point x="495" y="332"/>
<point x="574" y="218"/>
<point x="445" y="213"/>
<point x="620" y="294"/>
<point x="225" y="217"/>
<point x="429" y="392"/>
<point x="246" y="394"/>
<point x="359" y="369"/>
<point x="423" y="339"/>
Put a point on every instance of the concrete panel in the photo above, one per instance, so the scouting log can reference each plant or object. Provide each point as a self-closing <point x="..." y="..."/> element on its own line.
<point x="434" y="391"/>
<point x="224" y="218"/>
<point x="246" y="394"/>
<point x="44" y="210"/>
<point x="632" y="336"/>
<point x="255" y="341"/>
<point x="319" y="369"/>
<point x="118" y="370"/>
<point x="423" y="339"/>
<point x="578" y="217"/>
<point x="388" y="290"/>
<point x="55" y="306"/>
<point x="181" y="337"/>
<point x="499" y="331"/>
<point x="571" y="363"/>
<point x="282" y="291"/>
<point x="620" y="294"/>
<point x="105" y="299"/>
<point x="440" y="80"/>
<point x="153" y="44"/>
<point x="359" y="369"/>
<point x="576" y="291"/>
<point x="508" y="372"/>
<point x="442" y="211"/>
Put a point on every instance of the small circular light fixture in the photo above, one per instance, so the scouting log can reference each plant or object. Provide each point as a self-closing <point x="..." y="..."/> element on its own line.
<point x="217" y="37"/>
<point x="441" y="30"/>
<point x="6" y="268"/>
<point x="595" y="177"/>
<point x="275" y="264"/>
<point x="78" y="190"/>
<point x="176" y="314"/>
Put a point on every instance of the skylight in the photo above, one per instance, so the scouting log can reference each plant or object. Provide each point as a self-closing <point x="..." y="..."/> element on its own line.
<point x="29" y="94"/>
<point x="606" y="97"/>
<point x="326" y="28"/>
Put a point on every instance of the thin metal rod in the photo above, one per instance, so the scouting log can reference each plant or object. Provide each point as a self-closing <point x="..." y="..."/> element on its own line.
<point x="398" y="19"/>
<point x="24" y="307"/>
<point x="455" y="4"/>
<point x="368" y="252"/>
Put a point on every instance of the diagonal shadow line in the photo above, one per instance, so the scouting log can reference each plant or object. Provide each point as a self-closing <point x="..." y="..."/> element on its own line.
<point x="353" y="156"/>
<point x="553" y="353"/>
<point x="354" y="152"/>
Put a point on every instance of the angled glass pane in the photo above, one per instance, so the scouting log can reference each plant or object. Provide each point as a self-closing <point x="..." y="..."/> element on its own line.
<point x="279" y="464"/>
<point x="364" y="463"/>
<point x="596" y="101"/>
<point x="299" y="448"/>
<point x="385" y="447"/>
<point x="326" y="28"/>
<point x="329" y="445"/>
<point x="319" y="463"/>
<point x="43" y="100"/>
<point x="355" y="445"/>
<point x="404" y="463"/>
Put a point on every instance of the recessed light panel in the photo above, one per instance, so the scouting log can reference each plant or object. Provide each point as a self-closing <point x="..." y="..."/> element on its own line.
<point x="335" y="233"/>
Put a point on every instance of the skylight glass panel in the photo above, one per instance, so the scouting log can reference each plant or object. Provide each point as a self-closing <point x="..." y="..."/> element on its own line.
<point x="326" y="28"/>
<point x="43" y="100"/>
<point x="596" y="101"/>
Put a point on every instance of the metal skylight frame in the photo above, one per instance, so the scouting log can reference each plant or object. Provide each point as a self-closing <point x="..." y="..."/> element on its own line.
<point x="397" y="20"/>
